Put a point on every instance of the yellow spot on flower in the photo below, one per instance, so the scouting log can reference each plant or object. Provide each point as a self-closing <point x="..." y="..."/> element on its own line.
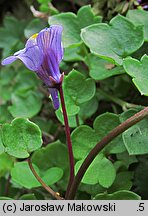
<point x="34" y="36"/>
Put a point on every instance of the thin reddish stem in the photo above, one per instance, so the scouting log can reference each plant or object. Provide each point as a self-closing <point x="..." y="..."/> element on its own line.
<point x="46" y="187"/>
<point x="69" y="143"/>
<point x="99" y="146"/>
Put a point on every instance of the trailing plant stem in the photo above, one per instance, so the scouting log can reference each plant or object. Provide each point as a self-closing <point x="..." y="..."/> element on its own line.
<point x="46" y="187"/>
<point x="99" y="146"/>
<point x="69" y="143"/>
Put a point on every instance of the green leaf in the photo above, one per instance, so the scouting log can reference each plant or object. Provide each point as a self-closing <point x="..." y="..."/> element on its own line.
<point x="34" y="27"/>
<point x="7" y="74"/>
<point x="114" y="41"/>
<point x="120" y="183"/>
<point x="126" y="159"/>
<point x="72" y="24"/>
<point x="25" y="81"/>
<point x="28" y="197"/>
<point x="103" y="124"/>
<point x="141" y="177"/>
<point x="11" y="35"/>
<point x="100" y="171"/>
<point x="139" y="17"/>
<point x="52" y="175"/>
<point x="27" y="105"/>
<point x="6" y="163"/>
<point x="7" y="82"/>
<point x="91" y="189"/>
<point x="44" y="1"/>
<point x="119" y="195"/>
<point x="71" y="119"/>
<point x="21" y="137"/>
<point x="5" y="198"/>
<point x="86" y="17"/>
<point x="5" y="115"/>
<point x="135" y="138"/>
<point x="88" y="108"/>
<point x="73" y="54"/>
<point x="84" y="138"/>
<point x="22" y="175"/>
<point x="77" y="90"/>
<point x="100" y="69"/>
<point x="138" y="71"/>
<point x="53" y="155"/>
<point x="71" y="33"/>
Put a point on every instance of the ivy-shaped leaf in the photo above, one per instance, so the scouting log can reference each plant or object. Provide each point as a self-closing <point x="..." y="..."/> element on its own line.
<point x="100" y="69"/>
<point x="72" y="24"/>
<point x="22" y="175"/>
<point x="27" y="105"/>
<point x="21" y="137"/>
<point x="100" y="171"/>
<point x="135" y="138"/>
<point x="84" y="138"/>
<point x="54" y="154"/>
<point x="138" y="71"/>
<point x="139" y="17"/>
<point x="77" y="90"/>
<point x="114" y="41"/>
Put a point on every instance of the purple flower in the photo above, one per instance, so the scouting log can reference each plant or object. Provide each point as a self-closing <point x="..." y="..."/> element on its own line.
<point x="43" y="53"/>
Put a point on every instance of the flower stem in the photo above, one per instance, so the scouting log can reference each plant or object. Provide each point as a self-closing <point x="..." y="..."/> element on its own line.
<point x="125" y="105"/>
<point x="46" y="187"/>
<point x="99" y="146"/>
<point x="69" y="143"/>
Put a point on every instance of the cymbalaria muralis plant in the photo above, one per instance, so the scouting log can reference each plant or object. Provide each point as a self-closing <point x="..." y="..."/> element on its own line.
<point x="95" y="98"/>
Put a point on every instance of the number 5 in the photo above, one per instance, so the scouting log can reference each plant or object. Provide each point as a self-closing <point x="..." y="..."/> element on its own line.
<point x="141" y="207"/>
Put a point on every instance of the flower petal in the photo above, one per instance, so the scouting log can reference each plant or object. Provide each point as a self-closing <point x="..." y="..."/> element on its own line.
<point x="55" y="98"/>
<point x="56" y="41"/>
<point x="31" y="57"/>
<point x="49" y="39"/>
<point x="9" y="60"/>
<point x="53" y="67"/>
